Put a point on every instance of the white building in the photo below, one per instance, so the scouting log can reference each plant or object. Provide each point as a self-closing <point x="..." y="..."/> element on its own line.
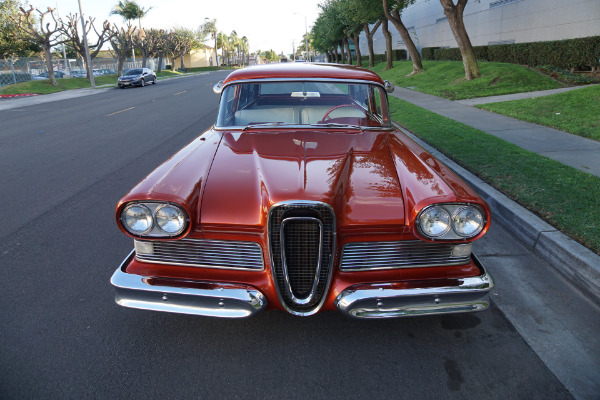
<point x="495" y="22"/>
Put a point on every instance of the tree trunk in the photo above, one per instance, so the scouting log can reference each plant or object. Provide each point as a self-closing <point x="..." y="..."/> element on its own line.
<point x="120" y="65"/>
<point x="181" y="58"/>
<point x="342" y="53"/>
<point x="415" y="57"/>
<point x="356" y="40"/>
<point x="454" y="13"/>
<point x="347" y="45"/>
<point x="144" y="60"/>
<point x="388" y="44"/>
<point x="49" y="67"/>
<point x="160" y="61"/>
<point x="369" y="35"/>
<point x="216" y="54"/>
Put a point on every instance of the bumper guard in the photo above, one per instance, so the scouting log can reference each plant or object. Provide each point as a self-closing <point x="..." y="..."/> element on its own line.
<point x="209" y="299"/>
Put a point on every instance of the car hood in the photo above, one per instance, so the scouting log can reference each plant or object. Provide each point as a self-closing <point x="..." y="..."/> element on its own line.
<point x="371" y="179"/>
<point x="374" y="180"/>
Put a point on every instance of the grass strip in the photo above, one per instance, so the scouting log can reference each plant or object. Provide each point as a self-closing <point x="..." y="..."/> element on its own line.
<point x="563" y="196"/>
<point x="576" y="112"/>
<point x="447" y="79"/>
<point x="44" y="86"/>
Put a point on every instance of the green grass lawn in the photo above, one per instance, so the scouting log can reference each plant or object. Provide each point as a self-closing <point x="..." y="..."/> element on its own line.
<point x="44" y="86"/>
<point x="446" y="79"/>
<point x="577" y="111"/>
<point x="563" y="196"/>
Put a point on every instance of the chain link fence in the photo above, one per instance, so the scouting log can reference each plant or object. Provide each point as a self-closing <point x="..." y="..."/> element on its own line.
<point x="15" y="70"/>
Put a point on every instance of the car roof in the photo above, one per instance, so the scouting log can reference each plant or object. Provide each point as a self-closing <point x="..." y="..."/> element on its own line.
<point x="303" y="71"/>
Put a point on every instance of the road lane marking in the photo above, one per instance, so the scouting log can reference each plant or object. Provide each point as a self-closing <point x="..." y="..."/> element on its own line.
<point x="127" y="109"/>
<point x="179" y="93"/>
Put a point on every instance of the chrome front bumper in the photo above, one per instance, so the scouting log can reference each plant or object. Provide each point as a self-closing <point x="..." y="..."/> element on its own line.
<point x="382" y="300"/>
<point x="209" y="299"/>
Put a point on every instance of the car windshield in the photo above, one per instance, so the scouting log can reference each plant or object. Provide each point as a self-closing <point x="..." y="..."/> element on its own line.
<point x="133" y="72"/>
<point x="330" y="104"/>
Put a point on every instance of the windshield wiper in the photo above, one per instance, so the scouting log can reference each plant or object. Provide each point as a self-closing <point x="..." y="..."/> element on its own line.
<point x="249" y="126"/>
<point x="338" y="125"/>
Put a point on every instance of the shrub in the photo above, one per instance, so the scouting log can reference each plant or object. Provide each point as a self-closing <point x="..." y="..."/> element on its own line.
<point x="567" y="54"/>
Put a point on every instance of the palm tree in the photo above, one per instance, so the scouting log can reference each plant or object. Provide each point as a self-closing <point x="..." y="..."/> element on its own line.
<point x="234" y="43"/>
<point x="130" y="10"/>
<point x="244" y="45"/>
<point x="223" y="43"/>
<point x="209" y="27"/>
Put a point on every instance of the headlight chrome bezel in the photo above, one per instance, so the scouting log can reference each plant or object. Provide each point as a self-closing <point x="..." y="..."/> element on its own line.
<point x="155" y="231"/>
<point x="453" y="210"/>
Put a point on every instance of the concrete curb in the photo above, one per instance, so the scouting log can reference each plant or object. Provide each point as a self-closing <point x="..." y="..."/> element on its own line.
<point x="576" y="263"/>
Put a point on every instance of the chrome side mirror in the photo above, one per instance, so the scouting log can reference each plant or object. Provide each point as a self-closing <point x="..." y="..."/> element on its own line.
<point x="389" y="87"/>
<point x="218" y="88"/>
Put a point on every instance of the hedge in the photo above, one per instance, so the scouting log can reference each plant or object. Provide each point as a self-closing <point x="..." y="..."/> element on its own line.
<point x="397" y="55"/>
<point x="568" y="54"/>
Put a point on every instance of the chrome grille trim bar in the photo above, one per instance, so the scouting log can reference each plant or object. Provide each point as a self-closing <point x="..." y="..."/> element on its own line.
<point x="369" y="256"/>
<point x="284" y="266"/>
<point x="205" y="253"/>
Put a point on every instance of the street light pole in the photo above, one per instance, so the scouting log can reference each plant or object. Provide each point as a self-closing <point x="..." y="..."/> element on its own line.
<point x="87" y="49"/>
<point x="306" y="38"/>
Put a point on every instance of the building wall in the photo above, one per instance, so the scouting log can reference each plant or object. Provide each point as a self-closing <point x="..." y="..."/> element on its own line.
<point x="496" y="21"/>
<point x="196" y="58"/>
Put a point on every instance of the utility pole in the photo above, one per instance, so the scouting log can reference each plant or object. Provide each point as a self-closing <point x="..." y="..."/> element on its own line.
<point x="87" y="49"/>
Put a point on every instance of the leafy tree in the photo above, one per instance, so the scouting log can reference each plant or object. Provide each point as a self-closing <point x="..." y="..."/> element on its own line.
<point x="209" y="28"/>
<point x="454" y="13"/>
<point x="71" y="30"/>
<point x="393" y="10"/>
<point x="11" y="43"/>
<point x="365" y="13"/>
<point x="388" y="43"/>
<point x="46" y="35"/>
<point x="182" y="41"/>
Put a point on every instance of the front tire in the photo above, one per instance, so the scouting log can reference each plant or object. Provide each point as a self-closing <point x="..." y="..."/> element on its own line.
<point x="143" y="82"/>
<point x="154" y="81"/>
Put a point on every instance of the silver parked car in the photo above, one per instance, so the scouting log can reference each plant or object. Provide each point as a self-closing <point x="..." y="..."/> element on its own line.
<point x="136" y="77"/>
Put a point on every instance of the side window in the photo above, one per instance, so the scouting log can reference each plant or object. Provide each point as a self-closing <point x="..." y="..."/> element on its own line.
<point x="247" y="95"/>
<point x="377" y="101"/>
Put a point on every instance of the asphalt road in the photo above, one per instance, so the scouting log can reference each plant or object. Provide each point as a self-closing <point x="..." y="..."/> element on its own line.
<point x="63" y="167"/>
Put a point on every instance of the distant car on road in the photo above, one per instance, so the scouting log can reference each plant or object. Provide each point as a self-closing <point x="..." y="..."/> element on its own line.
<point x="45" y="75"/>
<point x="78" y="73"/>
<point x="136" y="77"/>
<point x="106" y="71"/>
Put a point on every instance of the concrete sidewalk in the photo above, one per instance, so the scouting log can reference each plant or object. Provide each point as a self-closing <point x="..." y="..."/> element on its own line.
<point x="573" y="150"/>
<point x="517" y="96"/>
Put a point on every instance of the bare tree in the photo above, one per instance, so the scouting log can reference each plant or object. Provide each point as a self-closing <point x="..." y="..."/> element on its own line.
<point x="75" y="37"/>
<point x="121" y="42"/>
<point x="392" y="12"/>
<point x="45" y="34"/>
<point x="454" y="13"/>
<point x="157" y="41"/>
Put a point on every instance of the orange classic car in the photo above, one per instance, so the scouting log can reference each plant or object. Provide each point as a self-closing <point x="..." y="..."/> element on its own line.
<point x="303" y="197"/>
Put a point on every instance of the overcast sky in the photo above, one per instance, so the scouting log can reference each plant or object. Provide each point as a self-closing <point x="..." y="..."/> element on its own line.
<point x="268" y="24"/>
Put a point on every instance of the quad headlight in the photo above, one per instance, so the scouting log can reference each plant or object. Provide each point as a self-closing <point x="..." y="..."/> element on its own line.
<point x="451" y="221"/>
<point x="154" y="219"/>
